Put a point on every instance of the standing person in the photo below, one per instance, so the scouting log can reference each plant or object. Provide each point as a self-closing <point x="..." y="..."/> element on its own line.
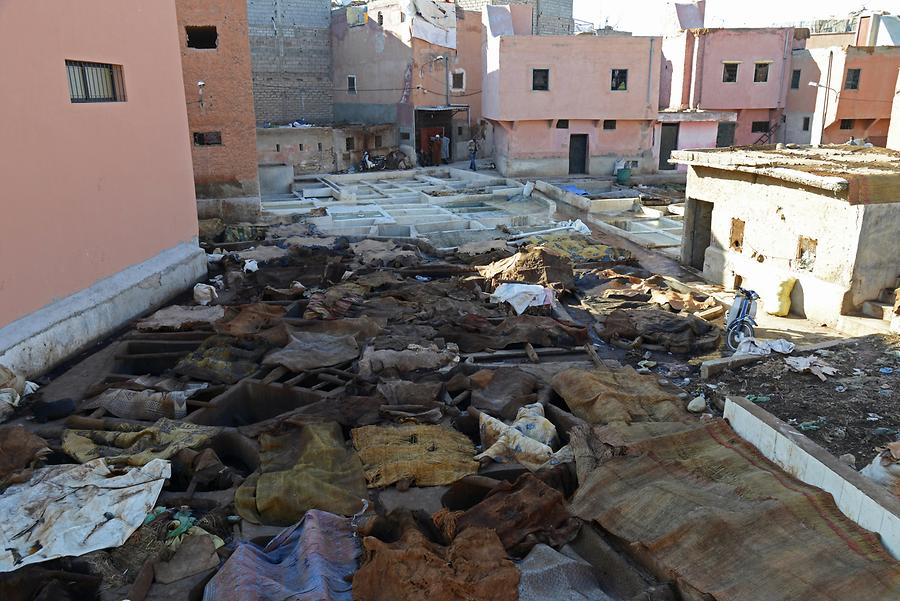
<point x="473" y="152"/>
<point x="445" y="149"/>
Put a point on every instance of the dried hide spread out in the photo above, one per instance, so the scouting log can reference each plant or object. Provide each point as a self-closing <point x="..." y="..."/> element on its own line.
<point x="311" y="561"/>
<point x="360" y="328"/>
<point x="308" y="350"/>
<point x="390" y="363"/>
<point x="522" y="514"/>
<point x="473" y="567"/>
<point x="503" y="391"/>
<point x="604" y="395"/>
<point x="64" y="510"/>
<point x="529" y="441"/>
<point x="309" y="467"/>
<point x="148" y="405"/>
<point x="178" y="317"/>
<point x="721" y="521"/>
<point x="474" y="334"/>
<point x="250" y="320"/>
<point x="536" y="265"/>
<point x="20" y="450"/>
<point x="133" y="445"/>
<point x="547" y="575"/>
<point x="425" y="455"/>
<point x="220" y="360"/>
<point x="376" y="253"/>
<point x="672" y="332"/>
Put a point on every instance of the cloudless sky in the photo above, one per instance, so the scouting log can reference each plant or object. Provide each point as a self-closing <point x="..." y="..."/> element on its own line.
<point x="648" y="17"/>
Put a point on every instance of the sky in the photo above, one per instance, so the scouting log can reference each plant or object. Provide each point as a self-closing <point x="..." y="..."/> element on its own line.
<point x="647" y="17"/>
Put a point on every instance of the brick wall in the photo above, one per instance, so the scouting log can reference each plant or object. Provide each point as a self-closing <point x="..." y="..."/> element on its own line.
<point x="290" y="44"/>
<point x="550" y="17"/>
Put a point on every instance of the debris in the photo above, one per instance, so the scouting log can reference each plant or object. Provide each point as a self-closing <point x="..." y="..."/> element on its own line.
<point x="177" y="317"/>
<point x="424" y="455"/>
<point x="548" y="575"/>
<point x="885" y="468"/>
<point x="307" y="350"/>
<point x="529" y="441"/>
<point x="759" y="399"/>
<point x="523" y="296"/>
<point x="536" y="265"/>
<point x="697" y="404"/>
<point x="204" y="294"/>
<point x="70" y="510"/>
<point x="20" y="452"/>
<point x="711" y="313"/>
<point x="809" y="426"/>
<point x="810" y="364"/>
<point x="250" y="266"/>
<point x="649" y="328"/>
<point x="312" y="560"/>
<point x="195" y="555"/>
<point x="755" y="346"/>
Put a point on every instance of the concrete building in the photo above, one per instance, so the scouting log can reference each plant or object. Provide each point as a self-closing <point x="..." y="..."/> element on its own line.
<point x="838" y="94"/>
<point x="561" y="105"/>
<point x="548" y="17"/>
<point x="738" y="76"/>
<point x="100" y="220"/>
<point x="290" y="43"/>
<point x="215" y="62"/>
<point x="425" y="75"/>
<point x="827" y="216"/>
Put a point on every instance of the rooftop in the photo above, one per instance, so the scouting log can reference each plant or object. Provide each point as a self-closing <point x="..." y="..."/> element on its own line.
<point x="857" y="174"/>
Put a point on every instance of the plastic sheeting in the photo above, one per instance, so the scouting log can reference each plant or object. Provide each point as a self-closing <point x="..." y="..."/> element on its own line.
<point x="707" y="511"/>
<point x="311" y="561"/>
<point x="70" y="510"/>
<point x="522" y="296"/>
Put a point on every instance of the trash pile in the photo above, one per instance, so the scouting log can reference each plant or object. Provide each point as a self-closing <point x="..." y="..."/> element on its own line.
<point x="374" y="420"/>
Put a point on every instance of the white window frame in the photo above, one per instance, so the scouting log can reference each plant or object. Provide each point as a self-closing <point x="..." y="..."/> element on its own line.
<point x="458" y="72"/>
<point x="768" y="70"/>
<point x="355" y="89"/>
<point x="736" y="75"/>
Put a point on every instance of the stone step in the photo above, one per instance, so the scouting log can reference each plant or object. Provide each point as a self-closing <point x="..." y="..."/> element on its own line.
<point x="857" y="325"/>
<point x="878" y="310"/>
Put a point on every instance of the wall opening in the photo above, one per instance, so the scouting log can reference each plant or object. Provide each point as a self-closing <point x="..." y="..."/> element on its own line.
<point x="761" y="73"/>
<point x="619" y="80"/>
<point x="202" y="37"/>
<point x="210" y="138"/>
<point x="759" y="127"/>
<point x="730" y="72"/>
<point x="806" y="253"/>
<point x="562" y="124"/>
<point x="458" y="81"/>
<point x="806" y="124"/>
<point x="351" y="84"/>
<point x="847" y="124"/>
<point x="609" y="124"/>
<point x="578" y="154"/>
<point x="378" y="141"/>
<point x="736" y="238"/>
<point x="540" y="80"/>
<point x="95" y="82"/>
<point x="697" y="232"/>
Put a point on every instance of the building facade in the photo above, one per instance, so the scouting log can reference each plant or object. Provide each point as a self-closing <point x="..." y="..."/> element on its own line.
<point x="574" y="104"/>
<point x="101" y="223"/>
<point x="215" y="62"/>
<point x="740" y="71"/>
<point x="290" y="44"/>
<point x="893" y="141"/>
<point x="842" y="94"/>
<point x="548" y="17"/>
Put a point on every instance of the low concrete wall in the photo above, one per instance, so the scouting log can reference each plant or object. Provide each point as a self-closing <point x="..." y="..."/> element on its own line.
<point x="860" y="499"/>
<point x="229" y="210"/>
<point x="275" y="179"/>
<point x="41" y="340"/>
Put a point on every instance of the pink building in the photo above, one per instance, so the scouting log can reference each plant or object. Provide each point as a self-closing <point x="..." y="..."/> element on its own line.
<point x="893" y="141"/>
<point x="838" y="94"/>
<point x="99" y="215"/>
<point x="723" y="87"/>
<point x="564" y="104"/>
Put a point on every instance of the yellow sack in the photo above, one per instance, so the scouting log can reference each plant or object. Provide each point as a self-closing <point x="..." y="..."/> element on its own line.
<point x="776" y="295"/>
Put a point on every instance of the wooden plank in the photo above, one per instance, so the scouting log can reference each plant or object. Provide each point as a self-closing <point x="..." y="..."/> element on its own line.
<point x="532" y="356"/>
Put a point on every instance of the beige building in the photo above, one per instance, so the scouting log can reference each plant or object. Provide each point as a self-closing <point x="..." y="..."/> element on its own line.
<point x="827" y="216"/>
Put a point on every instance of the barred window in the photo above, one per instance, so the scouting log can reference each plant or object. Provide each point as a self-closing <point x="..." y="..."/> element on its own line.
<point x="95" y="82"/>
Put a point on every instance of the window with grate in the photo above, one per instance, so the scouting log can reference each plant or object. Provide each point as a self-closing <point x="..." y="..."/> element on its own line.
<point x="847" y="123"/>
<point x="795" y="79"/>
<point x="806" y="124"/>
<point x="350" y="144"/>
<point x="761" y="72"/>
<point x="852" y="82"/>
<point x="540" y="79"/>
<point x="458" y="81"/>
<point x="562" y="124"/>
<point x="609" y="124"/>
<point x="204" y="37"/>
<point x="619" y="80"/>
<point x="759" y="127"/>
<point x="351" y="84"/>
<point x="95" y="82"/>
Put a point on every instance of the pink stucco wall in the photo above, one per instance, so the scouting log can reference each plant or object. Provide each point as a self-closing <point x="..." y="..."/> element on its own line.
<point x="872" y="100"/>
<point x="534" y="139"/>
<point x="893" y="140"/>
<point x="580" y="71"/>
<point x="748" y="46"/>
<point x="803" y="99"/>
<point x="88" y="189"/>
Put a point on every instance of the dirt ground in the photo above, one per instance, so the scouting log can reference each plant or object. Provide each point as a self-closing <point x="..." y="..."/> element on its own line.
<point x="854" y="411"/>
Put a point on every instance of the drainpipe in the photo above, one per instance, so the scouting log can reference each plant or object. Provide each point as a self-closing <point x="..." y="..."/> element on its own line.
<point x="447" y="79"/>
<point x="782" y="95"/>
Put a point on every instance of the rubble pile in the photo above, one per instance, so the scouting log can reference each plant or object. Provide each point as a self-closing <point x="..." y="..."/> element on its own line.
<point x="368" y="420"/>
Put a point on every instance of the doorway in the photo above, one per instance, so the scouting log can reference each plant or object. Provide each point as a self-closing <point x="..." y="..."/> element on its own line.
<point x="725" y="134"/>
<point x="697" y="232"/>
<point x="578" y="149"/>
<point x="668" y="141"/>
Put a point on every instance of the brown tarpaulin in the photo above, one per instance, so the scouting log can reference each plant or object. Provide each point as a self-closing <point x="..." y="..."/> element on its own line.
<point x="473" y="568"/>
<point x="309" y="467"/>
<point x="427" y="455"/>
<point x="605" y="395"/>
<point x="703" y="508"/>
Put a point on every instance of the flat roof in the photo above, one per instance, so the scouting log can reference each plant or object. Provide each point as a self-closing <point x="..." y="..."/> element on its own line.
<point x="857" y="174"/>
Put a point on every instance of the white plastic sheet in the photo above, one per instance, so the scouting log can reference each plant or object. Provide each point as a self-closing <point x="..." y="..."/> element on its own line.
<point x="754" y="346"/>
<point x="70" y="510"/>
<point x="522" y="296"/>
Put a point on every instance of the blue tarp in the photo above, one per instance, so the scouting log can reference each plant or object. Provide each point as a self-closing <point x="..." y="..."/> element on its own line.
<point x="310" y="561"/>
<point x="574" y="190"/>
